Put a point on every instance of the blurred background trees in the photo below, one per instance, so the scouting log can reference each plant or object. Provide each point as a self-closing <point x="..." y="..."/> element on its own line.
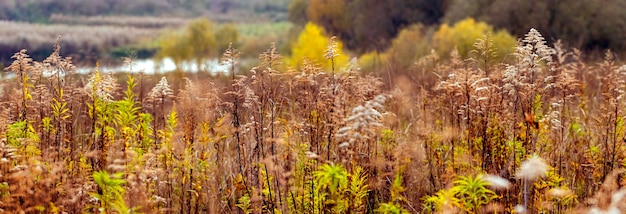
<point x="367" y="25"/>
<point x="588" y="25"/>
<point x="41" y="10"/>
<point x="367" y="28"/>
<point x="201" y="40"/>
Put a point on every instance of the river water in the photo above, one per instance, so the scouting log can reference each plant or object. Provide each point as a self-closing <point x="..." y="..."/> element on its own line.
<point x="147" y="66"/>
<point x="150" y="66"/>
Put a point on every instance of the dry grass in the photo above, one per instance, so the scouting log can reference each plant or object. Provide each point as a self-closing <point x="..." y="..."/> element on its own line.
<point x="546" y="131"/>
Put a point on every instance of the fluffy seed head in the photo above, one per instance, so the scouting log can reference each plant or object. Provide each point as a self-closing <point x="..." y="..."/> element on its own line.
<point x="532" y="169"/>
<point x="497" y="182"/>
<point x="559" y="192"/>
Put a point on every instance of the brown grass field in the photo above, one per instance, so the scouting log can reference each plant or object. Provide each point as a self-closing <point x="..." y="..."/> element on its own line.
<point x="544" y="133"/>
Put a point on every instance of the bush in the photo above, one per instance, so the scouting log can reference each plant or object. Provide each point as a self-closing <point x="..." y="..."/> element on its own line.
<point x="410" y="45"/>
<point x="464" y="34"/>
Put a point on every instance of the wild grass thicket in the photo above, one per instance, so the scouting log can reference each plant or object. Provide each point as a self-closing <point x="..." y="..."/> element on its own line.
<point x="540" y="134"/>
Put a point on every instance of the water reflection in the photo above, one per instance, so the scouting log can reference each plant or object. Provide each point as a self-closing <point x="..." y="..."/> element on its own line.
<point x="150" y="66"/>
<point x="147" y="66"/>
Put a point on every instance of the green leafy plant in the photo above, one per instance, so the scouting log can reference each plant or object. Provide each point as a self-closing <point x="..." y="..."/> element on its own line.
<point x="468" y="194"/>
<point x="127" y="116"/>
<point x="110" y="193"/>
<point x="390" y="208"/>
<point x="331" y="181"/>
<point x="244" y="204"/>
<point x="472" y="192"/>
<point x="100" y="89"/>
<point x="358" y="190"/>
<point x="23" y="136"/>
<point x="444" y="199"/>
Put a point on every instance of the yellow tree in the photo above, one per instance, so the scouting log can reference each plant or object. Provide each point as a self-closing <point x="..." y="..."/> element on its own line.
<point x="464" y="34"/>
<point x="312" y="44"/>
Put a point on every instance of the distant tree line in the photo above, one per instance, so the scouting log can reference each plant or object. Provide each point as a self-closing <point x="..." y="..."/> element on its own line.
<point x="41" y="10"/>
<point x="366" y="25"/>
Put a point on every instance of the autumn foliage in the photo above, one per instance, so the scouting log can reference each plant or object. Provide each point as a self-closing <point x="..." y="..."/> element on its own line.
<point x="311" y="42"/>
<point x="540" y="133"/>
